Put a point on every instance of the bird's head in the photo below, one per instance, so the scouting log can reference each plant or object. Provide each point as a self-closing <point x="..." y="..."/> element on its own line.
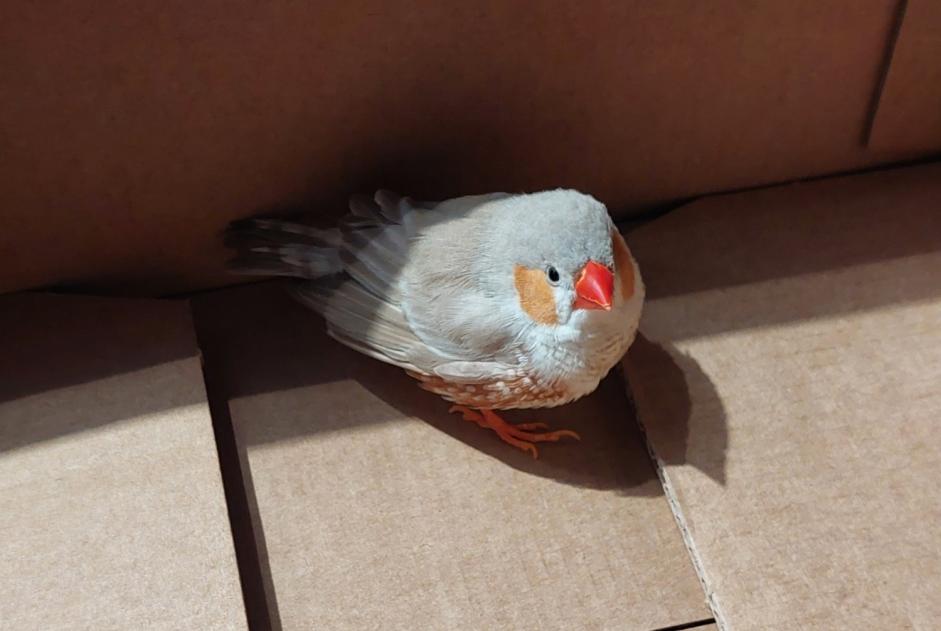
<point x="568" y="260"/>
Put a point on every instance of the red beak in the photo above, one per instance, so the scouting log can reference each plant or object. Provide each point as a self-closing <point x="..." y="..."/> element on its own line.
<point x="595" y="287"/>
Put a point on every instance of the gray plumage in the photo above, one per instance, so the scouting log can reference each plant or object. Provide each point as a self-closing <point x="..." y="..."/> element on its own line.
<point x="430" y="287"/>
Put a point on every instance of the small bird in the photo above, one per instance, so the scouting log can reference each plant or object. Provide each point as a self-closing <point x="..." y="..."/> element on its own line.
<point x="493" y="302"/>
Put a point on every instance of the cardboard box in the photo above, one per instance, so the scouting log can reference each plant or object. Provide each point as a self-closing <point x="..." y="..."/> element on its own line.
<point x="785" y="381"/>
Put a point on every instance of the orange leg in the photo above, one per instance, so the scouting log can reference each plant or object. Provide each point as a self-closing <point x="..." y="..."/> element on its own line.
<point x="520" y="436"/>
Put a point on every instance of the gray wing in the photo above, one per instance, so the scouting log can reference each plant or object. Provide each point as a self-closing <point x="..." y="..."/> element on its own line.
<point x="406" y="301"/>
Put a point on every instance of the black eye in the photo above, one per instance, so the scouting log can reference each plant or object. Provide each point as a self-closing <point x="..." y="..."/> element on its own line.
<point x="553" y="274"/>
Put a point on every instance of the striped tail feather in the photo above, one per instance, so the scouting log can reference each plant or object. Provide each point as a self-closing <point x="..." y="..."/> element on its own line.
<point x="272" y="247"/>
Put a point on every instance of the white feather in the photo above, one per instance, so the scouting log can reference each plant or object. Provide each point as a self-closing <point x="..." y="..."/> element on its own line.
<point x="475" y="372"/>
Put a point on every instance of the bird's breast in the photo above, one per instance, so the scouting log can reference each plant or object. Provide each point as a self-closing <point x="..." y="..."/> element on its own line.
<point x="578" y="360"/>
<point x="548" y="374"/>
<point x="521" y="391"/>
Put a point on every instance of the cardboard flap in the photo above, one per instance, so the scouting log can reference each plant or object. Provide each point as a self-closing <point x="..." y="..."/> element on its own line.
<point x="112" y="514"/>
<point x="376" y="508"/>
<point x="908" y="117"/>
<point x="788" y="383"/>
<point x="132" y="134"/>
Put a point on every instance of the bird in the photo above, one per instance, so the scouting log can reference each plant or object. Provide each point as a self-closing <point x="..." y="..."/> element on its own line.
<point x="493" y="302"/>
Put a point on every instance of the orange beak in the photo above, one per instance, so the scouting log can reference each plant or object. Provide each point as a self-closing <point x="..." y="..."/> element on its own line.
<point x="595" y="287"/>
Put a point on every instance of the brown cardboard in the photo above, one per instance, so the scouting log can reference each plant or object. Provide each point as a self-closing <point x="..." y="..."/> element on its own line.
<point x="132" y="133"/>
<point x="909" y="112"/>
<point x="375" y="508"/>
<point x="788" y="384"/>
<point x="112" y="514"/>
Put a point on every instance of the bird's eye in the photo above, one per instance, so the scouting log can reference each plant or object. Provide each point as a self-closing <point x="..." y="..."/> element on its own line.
<point x="553" y="274"/>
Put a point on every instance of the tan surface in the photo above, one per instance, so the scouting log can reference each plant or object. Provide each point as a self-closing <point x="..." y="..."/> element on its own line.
<point x="789" y="386"/>
<point x="909" y="115"/>
<point x="132" y="132"/>
<point x="378" y="509"/>
<point x="112" y="513"/>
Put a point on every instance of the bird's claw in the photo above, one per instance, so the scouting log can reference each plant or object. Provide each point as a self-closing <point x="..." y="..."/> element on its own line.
<point x="469" y="414"/>
<point x="520" y="436"/>
<point x="530" y="426"/>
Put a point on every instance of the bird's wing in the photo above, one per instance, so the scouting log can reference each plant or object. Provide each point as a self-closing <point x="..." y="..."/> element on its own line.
<point x="475" y="372"/>
<point x="363" y="321"/>
<point x="379" y="234"/>
<point x="446" y="296"/>
<point x="448" y="329"/>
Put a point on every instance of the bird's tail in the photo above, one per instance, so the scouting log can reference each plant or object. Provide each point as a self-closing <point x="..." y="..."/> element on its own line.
<point x="271" y="247"/>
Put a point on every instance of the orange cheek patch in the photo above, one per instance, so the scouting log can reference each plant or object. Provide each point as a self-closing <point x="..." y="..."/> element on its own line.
<point x="623" y="265"/>
<point x="535" y="295"/>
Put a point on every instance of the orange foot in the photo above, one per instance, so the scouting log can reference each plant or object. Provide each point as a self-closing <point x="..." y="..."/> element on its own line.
<point x="520" y="436"/>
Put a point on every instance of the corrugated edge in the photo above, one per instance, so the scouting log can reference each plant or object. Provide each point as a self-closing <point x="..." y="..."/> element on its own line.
<point x="876" y="100"/>
<point x="673" y="501"/>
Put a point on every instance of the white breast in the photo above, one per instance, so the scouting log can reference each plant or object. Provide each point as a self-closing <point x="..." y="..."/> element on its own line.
<point x="573" y="357"/>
